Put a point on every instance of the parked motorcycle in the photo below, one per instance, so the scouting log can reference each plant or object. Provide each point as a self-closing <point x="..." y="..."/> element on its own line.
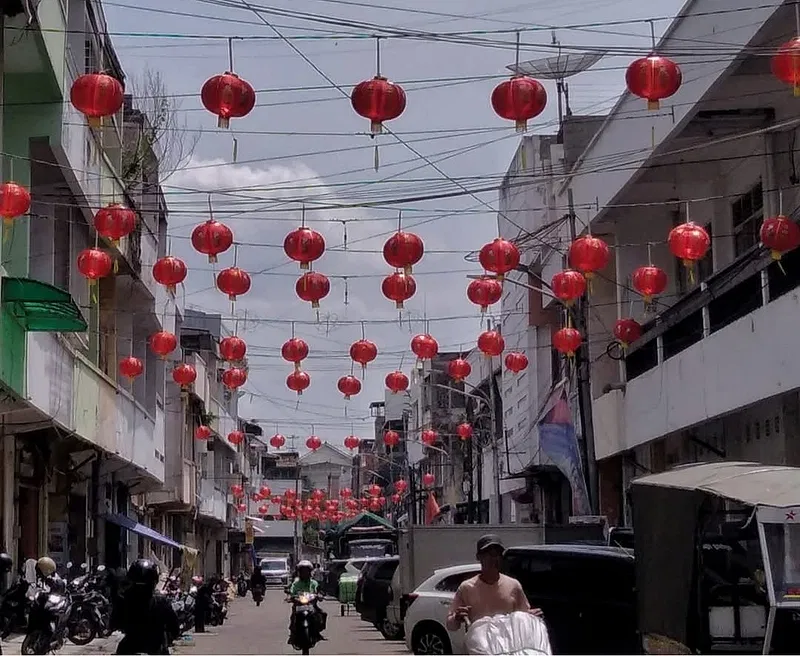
<point x="304" y="635"/>
<point x="90" y="615"/>
<point x="14" y="608"/>
<point x="48" y="622"/>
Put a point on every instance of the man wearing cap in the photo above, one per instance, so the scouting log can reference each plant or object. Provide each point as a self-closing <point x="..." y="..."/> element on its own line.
<point x="490" y="592"/>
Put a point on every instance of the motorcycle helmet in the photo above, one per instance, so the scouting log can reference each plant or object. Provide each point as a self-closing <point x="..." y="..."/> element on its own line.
<point x="46" y="566"/>
<point x="304" y="564"/>
<point x="6" y="563"/>
<point x="143" y="572"/>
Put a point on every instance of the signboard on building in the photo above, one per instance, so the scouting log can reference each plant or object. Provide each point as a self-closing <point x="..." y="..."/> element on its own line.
<point x="286" y="460"/>
<point x="249" y="532"/>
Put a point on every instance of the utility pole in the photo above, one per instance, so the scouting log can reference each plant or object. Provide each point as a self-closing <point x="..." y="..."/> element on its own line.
<point x="496" y="432"/>
<point x="583" y="382"/>
<point x="470" y="465"/>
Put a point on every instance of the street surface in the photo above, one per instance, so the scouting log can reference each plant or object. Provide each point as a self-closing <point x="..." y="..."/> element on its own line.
<point x="264" y="630"/>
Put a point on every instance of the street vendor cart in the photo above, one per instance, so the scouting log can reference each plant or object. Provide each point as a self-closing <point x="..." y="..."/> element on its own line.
<point x="718" y="558"/>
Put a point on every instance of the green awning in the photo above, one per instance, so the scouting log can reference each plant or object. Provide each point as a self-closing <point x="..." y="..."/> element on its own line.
<point x="40" y="307"/>
<point x="364" y="520"/>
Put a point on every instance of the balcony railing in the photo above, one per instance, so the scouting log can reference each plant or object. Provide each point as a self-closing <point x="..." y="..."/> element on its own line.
<point x="748" y="283"/>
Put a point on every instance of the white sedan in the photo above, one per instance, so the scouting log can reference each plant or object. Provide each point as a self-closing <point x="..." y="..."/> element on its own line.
<point x="426" y="614"/>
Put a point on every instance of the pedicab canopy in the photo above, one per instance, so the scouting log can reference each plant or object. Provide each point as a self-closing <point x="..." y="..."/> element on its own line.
<point x="671" y="515"/>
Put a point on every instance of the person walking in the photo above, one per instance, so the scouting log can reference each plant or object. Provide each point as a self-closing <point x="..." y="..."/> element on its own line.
<point x="490" y="592"/>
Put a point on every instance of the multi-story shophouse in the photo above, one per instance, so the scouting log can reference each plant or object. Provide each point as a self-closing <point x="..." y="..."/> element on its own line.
<point x="77" y="439"/>
<point x="197" y="507"/>
<point x="715" y="374"/>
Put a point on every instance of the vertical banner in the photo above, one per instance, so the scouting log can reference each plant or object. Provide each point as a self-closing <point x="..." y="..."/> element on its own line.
<point x="559" y="443"/>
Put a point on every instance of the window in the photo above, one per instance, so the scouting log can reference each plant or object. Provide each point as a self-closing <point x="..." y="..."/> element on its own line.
<point x="747" y="212"/>
<point x="451" y="583"/>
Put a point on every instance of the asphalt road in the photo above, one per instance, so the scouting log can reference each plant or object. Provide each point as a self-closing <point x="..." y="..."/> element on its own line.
<point x="264" y="630"/>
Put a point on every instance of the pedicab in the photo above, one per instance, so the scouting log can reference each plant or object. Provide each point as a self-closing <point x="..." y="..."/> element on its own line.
<point x="718" y="559"/>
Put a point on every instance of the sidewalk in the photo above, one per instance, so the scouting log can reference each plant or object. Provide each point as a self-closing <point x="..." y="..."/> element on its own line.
<point x="98" y="646"/>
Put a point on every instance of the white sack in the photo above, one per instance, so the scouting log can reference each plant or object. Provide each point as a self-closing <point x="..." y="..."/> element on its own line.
<point x="519" y="633"/>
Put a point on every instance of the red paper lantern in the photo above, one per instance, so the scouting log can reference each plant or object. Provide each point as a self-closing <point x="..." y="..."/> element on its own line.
<point x="94" y="264"/>
<point x="202" y="432"/>
<point x="277" y="441"/>
<point x="276" y="500"/>
<point x="349" y="386"/>
<point x="363" y="351"/>
<point x="351" y="442"/>
<point x="97" y="95"/>
<point x="459" y="369"/>
<point x="374" y="490"/>
<point x="484" y="292"/>
<point x="313" y="443"/>
<point x="649" y="281"/>
<point x="396" y="381"/>
<point x="516" y="362"/>
<point x="131" y="367"/>
<point x="568" y="286"/>
<point x="499" y="257"/>
<point x="263" y="510"/>
<point x="399" y="287"/>
<point x="237" y="490"/>
<point x="403" y="250"/>
<point x="234" y="282"/>
<point x="424" y="347"/>
<point x="163" y="343"/>
<point x="346" y="493"/>
<point x="429" y="437"/>
<point x="232" y="348"/>
<point x="297" y="381"/>
<point x="212" y="238"/>
<point x="184" y="374"/>
<point x="378" y="100"/>
<point x="519" y="99"/>
<point x="653" y="78"/>
<point x="395" y="498"/>
<point x="491" y="343"/>
<point x="400" y="486"/>
<point x="290" y="493"/>
<point x="588" y="255"/>
<point x="234" y="377"/>
<point x="228" y="96"/>
<point x="169" y="271"/>
<point x="115" y="221"/>
<point x="242" y="507"/>
<point x="304" y="245"/>
<point x="15" y="201"/>
<point x="786" y="64"/>
<point x="428" y="479"/>
<point x="294" y="350"/>
<point x="265" y="491"/>
<point x="780" y="235"/>
<point x="688" y="242"/>
<point x="312" y="287"/>
<point x="464" y="431"/>
<point x="391" y="438"/>
<point x="236" y="438"/>
<point x="567" y="340"/>
<point x="627" y="331"/>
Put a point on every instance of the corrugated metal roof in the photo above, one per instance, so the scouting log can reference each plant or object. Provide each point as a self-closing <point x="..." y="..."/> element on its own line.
<point x="748" y="482"/>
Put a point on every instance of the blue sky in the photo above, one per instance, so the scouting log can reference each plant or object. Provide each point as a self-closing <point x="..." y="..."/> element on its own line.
<point x="303" y="142"/>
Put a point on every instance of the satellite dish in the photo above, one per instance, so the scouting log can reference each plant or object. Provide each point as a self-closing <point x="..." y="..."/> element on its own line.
<point x="559" y="68"/>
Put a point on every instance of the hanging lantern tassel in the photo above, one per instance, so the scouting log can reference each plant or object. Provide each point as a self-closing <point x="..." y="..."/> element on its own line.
<point x="377" y="159"/>
<point x="690" y="267"/>
<point x="116" y="266"/>
<point x="93" y="291"/>
<point x="297" y="366"/>
<point x="7" y="228"/>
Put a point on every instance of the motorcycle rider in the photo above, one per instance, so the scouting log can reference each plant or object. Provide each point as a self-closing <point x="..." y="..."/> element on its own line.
<point x="148" y="619"/>
<point x="257" y="578"/>
<point x="305" y="584"/>
<point x="46" y="574"/>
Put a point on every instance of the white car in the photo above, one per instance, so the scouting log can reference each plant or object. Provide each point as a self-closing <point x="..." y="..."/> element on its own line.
<point x="426" y="613"/>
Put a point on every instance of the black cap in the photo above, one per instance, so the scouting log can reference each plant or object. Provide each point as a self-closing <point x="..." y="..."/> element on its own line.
<point x="488" y="541"/>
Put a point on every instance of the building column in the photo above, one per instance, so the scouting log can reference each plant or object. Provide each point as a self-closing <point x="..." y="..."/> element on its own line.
<point x="9" y="455"/>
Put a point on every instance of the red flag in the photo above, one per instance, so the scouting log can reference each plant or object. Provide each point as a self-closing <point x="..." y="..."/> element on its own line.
<point x="431" y="509"/>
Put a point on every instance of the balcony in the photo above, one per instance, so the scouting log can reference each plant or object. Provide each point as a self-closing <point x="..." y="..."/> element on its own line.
<point x="85" y="401"/>
<point x="725" y="346"/>
<point x="182" y="494"/>
<point x="213" y="502"/>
